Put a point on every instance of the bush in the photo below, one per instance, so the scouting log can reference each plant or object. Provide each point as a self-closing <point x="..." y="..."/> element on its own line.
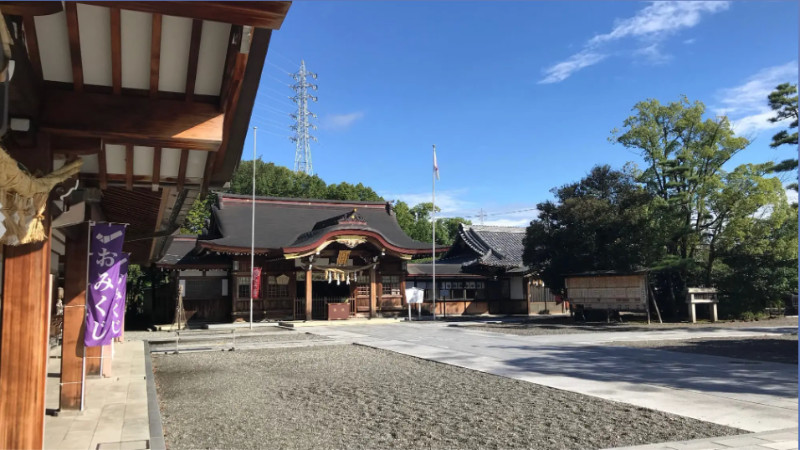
<point x="545" y="312"/>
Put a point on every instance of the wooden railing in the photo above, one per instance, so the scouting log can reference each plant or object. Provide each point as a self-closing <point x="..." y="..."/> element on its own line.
<point x="319" y="307"/>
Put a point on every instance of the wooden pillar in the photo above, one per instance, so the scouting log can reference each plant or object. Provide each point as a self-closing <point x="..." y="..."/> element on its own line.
<point x="72" y="349"/>
<point x="713" y="310"/>
<point x="373" y="288"/>
<point x="24" y="345"/>
<point x="293" y="292"/>
<point x="308" y="294"/>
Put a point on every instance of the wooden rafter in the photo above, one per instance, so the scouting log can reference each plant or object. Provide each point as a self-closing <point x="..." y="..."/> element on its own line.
<point x="33" y="46"/>
<point x="133" y="120"/>
<point x="116" y="51"/>
<point x="73" y="33"/>
<point x="155" y="55"/>
<point x="182" y="169"/>
<point x="156" y="167"/>
<point x="129" y="167"/>
<point x="101" y="169"/>
<point x="256" y="14"/>
<point x="194" y="57"/>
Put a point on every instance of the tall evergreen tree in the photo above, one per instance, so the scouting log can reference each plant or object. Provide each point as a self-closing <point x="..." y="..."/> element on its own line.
<point x="783" y="100"/>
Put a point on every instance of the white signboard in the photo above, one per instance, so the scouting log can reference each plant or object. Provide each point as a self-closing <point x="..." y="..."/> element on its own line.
<point x="414" y="295"/>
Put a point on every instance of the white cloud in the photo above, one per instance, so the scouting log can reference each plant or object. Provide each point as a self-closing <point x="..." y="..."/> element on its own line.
<point x="506" y="222"/>
<point x="561" y="71"/>
<point x="791" y="195"/>
<point x="341" y="121"/>
<point x="690" y="41"/>
<point x="746" y="105"/>
<point x="650" y="25"/>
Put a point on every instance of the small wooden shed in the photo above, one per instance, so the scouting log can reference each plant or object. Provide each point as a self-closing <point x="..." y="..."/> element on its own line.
<point x="609" y="290"/>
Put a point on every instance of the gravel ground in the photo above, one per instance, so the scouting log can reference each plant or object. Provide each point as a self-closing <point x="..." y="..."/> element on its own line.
<point x="225" y="341"/>
<point x="347" y="396"/>
<point x="564" y="325"/>
<point x="778" y="348"/>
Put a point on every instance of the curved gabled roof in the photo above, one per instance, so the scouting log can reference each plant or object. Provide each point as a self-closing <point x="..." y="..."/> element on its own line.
<point x="493" y="246"/>
<point x="286" y="225"/>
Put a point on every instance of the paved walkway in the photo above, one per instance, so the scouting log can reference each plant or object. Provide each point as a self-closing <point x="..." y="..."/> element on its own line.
<point x="115" y="415"/>
<point x="753" y="396"/>
<point x="770" y="440"/>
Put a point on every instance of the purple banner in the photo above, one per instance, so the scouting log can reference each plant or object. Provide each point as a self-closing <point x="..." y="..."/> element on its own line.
<point x="105" y="257"/>
<point x="118" y="308"/>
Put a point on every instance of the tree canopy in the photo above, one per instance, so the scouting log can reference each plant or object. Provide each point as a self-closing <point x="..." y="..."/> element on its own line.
<point x="277" y="181"/>
<point x="783" y="100"/>
<point x="685" y="216"/>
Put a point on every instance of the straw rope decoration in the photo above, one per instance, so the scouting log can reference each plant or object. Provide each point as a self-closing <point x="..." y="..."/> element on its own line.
<point x="23" y="199"/>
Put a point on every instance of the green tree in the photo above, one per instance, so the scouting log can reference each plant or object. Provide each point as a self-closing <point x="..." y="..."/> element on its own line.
<point x="602" y="222"/>
<point x="684" y="155"/>
<point x="783" y="100"/>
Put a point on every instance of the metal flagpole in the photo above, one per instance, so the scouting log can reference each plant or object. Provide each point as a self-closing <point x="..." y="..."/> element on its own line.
<point x="433" y="223"/>
<point x="253" y="231"/>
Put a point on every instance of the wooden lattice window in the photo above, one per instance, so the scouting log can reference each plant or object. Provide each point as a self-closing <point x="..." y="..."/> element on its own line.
<point x="391" y="285"/>
<point x="275" y="287"/>
<point x="242" y="287"/>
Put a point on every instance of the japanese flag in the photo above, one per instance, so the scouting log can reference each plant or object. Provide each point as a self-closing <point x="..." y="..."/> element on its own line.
<point x="435" y="165"/>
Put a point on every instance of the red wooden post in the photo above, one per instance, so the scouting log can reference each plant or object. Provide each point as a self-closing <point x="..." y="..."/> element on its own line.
<point x="308" y="294"/>
<point x="373" y="287"/>
<point x="72" y="349"/>
<point x="26" y="324"/>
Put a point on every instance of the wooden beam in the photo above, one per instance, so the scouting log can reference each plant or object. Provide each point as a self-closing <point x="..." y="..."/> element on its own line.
<point x="156" y="168"/>
<point x="74" y="44"/>
<point x="194" y="56"/>
<point x="24" y="340"/>
<point x="373" y="287"/>
<point x="240" y="120"/>
<point x="24" y="91"/>
<point x="129" y="167"/>
<point x="309" y="295"/>
<point x="182" y="169"/>
<point x="32" y="42"/>
<point x="255" y="14"/>
<point x="155" y="55"/>
<point x="207" y="176"/>
<point x="133" y="120"/>
<point x="229" y="74"/>
<point x="30" y="8"/>
<point x="102" y="167"/>
<point x="75" y="146"/>
<point x="116" y="51"/>
<point x="72" y="349"/>
<point x="161" y="209"/>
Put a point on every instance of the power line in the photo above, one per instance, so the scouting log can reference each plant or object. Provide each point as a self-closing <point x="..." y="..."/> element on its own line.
<point x="270" y="120"/>
<point x="272" y="110"/>
<point x="279" y="67"/>
<point x="277" y="100"/>
<point x="482" y="215"/>
<point x="285" y="58"/>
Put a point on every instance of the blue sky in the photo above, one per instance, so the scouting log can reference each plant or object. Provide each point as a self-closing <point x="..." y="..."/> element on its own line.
<point x="519" y="97"/>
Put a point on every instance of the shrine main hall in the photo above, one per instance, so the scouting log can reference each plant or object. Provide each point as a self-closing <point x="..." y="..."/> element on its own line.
<point x="310" y="253"/>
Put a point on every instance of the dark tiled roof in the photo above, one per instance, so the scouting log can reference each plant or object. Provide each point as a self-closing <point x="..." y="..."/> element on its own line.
<point x="493" y="246"/>
<point x="441" y="269"/>
<point x="287" y="223"/>
<point x="183" y="251"/>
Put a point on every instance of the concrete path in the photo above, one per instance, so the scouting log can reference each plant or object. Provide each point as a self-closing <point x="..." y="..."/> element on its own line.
<point x="116" y="411"/>
<point x="770" y="440"/>
<point x="750" y="395"/>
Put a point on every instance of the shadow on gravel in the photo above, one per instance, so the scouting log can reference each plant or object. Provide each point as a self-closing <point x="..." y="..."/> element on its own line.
<point x="639" y="365"/>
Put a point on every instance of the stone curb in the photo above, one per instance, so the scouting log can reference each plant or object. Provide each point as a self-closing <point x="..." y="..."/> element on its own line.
<point x="157" y="441"/>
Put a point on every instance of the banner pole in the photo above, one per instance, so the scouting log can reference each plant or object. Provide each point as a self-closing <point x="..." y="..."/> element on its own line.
<point x="433" y="223"/>
<point x="85" y="310"/>
<point x="253" y="232"/>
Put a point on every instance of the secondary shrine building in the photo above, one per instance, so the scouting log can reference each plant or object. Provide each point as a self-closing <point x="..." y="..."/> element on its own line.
<point x="310" y="253"/>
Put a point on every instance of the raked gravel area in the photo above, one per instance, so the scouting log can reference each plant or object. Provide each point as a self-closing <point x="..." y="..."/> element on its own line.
<point x="780" y="348"/>
<point x="347" y="396"/>
<point x="564" y="325"/>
